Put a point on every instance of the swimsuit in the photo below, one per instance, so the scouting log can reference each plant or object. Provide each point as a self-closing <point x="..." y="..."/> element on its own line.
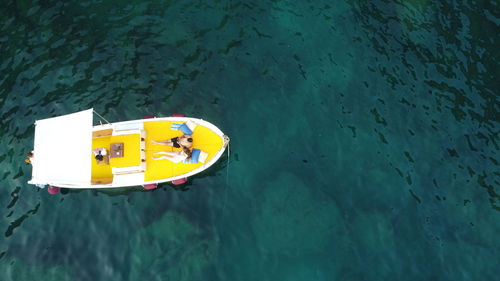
<point x="175" y="142"/>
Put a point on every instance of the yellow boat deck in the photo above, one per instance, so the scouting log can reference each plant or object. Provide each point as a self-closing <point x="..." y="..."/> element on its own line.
<point x="156" y="170"/>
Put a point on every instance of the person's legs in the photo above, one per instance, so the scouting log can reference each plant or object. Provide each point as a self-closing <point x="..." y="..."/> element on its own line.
<point x="174" y="156"/>
<point x="162" y="157"/>
<point x="169" y="153"/>
<point x="166" y="142"/>
<point x="172" y="142"/>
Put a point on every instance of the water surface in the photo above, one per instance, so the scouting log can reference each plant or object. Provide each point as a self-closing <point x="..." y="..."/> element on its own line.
<point x="364" y="139"/>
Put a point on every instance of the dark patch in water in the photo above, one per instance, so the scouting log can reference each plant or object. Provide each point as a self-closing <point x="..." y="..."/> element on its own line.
<point x="415" y="196"/>
<point x="16" y="223"/>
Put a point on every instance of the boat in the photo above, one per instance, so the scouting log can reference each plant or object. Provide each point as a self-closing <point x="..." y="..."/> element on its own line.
<point x="71" y="152"/>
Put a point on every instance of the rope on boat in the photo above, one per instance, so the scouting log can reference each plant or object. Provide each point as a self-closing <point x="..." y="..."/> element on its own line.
<point x="227" y="170"/>
<point x="226" y="144"/>
<point x="100" y="116"/>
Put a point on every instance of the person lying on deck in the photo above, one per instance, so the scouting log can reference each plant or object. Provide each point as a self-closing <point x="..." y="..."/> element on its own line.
<point x="184" y="141"/>
<point x="174" y="156"/>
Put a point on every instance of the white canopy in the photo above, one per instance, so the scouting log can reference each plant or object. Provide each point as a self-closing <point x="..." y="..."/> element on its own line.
<point x="63" y="147"/>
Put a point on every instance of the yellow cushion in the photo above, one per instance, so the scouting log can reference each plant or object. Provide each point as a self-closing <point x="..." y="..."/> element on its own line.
<point x="203" y="139"/>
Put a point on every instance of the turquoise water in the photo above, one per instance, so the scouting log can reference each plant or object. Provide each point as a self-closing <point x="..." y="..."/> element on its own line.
<point x="364" y="139"/>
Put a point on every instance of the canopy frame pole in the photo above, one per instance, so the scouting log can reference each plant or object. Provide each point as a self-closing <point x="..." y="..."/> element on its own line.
<point x="101" y="117"/>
